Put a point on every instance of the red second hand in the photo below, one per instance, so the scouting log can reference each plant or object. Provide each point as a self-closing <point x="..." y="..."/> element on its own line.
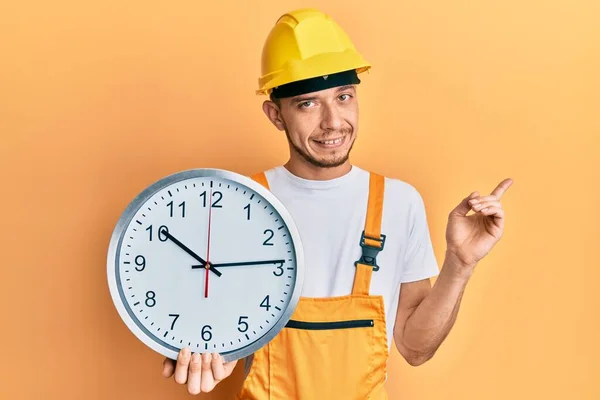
<point x="208" y="246"/>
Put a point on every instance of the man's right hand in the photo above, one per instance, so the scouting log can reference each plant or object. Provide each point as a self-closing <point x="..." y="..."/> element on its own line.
<point x="201" y="372"/>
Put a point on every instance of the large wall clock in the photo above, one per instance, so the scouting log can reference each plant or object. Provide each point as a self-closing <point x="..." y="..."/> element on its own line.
<point x="207" y="259"/>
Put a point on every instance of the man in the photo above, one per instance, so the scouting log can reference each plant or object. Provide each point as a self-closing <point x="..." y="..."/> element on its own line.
<point x="373" y="293"/>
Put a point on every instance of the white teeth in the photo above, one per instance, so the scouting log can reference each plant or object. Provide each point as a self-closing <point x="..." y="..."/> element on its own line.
<point x="336" y="141"/>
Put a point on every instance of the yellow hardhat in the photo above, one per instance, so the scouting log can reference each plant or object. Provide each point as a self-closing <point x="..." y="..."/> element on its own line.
<point x="306" y="44"/>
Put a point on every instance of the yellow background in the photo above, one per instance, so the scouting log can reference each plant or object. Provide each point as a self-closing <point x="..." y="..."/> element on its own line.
<point x="100" y="99"/>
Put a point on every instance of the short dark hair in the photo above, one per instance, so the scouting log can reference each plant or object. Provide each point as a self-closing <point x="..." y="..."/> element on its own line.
<point x="275" y="99"/>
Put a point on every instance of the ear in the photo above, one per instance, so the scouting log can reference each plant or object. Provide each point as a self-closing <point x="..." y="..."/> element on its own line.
<point x="273" y="112"/>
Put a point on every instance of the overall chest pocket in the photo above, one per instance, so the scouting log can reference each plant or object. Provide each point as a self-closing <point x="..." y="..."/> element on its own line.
<point x="325" y="360"/>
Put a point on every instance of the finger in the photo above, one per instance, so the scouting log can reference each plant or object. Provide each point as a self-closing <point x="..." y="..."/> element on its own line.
<point x="463" y="207"/>
<point x="485" y="204"/>
<point x="479" y="199"/>
<point x="168" y="367"/>
<point x="217" y="368"/>
<point x="502" y="187"/>
<point x="181" y="370"/>
<point x="194" y="374"/>
<point x="208" y="381"/>
<point x="493" y="211"/>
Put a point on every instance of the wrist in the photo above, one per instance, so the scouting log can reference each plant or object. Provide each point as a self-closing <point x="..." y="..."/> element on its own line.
<point x="456" y="268"/>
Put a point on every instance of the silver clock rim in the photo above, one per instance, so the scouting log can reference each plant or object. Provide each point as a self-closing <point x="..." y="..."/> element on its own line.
<point x="128" y="214"/>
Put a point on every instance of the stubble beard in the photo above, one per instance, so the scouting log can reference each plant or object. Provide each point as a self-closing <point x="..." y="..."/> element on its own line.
<point x="326" y="162"/>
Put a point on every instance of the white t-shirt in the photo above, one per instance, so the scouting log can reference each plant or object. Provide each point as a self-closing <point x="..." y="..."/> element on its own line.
<point x="330" y="216"/>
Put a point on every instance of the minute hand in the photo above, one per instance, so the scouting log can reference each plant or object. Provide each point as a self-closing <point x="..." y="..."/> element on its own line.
<point x="242" y="263"/>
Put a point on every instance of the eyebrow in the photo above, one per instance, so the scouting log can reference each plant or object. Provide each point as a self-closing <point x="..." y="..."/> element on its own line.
<point x="301" y="98"/>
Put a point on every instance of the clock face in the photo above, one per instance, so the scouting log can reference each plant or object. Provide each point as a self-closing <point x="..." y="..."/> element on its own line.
<point x="206" y="259"/>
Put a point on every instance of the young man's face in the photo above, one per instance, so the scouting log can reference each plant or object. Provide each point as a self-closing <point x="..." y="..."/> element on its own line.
<point x="321" y="127"/>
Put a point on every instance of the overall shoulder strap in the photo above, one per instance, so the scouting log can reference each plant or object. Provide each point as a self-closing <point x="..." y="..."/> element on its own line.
<point x="261" y="178"/>
<point x="371" y="240"/>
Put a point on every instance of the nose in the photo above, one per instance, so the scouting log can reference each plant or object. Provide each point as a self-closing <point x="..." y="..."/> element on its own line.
<point x="331" y="118"/>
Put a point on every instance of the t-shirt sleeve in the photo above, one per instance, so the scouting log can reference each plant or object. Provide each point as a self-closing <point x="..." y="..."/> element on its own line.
<point x="419" y="258"/>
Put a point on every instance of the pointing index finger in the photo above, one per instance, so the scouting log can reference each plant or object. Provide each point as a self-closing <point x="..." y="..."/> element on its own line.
<point x="502" y="187"/>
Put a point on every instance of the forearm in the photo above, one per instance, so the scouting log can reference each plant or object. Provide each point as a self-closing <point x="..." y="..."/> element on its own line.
<point x="432" y="319"/>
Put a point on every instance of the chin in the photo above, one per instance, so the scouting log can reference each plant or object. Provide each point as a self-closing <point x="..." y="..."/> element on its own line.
<point x="329" y="161"/>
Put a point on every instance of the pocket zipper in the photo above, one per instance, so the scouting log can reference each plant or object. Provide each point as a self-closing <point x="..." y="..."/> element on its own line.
<point x="358" y="323"/>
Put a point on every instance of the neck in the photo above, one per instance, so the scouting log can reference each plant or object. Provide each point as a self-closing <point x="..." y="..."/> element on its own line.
<point x="306" y="170"/>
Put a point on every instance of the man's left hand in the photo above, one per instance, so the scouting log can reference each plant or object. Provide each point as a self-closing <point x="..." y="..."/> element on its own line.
<point x="470" y="238"/>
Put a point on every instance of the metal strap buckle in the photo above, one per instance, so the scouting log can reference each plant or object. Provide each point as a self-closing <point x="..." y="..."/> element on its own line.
<point x="369" y="253"/>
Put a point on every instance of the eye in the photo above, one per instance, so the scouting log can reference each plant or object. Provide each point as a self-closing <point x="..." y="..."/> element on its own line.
<point x="345" y="96"/>
<point x="306" y="104"/>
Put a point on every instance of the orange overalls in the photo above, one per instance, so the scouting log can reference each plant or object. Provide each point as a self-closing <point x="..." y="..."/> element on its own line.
<point x="333" y="347"/>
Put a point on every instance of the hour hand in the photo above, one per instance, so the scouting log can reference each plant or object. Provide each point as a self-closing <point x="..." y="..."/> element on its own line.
<point x="242" y="263"/>
<point x="190" y="252"/>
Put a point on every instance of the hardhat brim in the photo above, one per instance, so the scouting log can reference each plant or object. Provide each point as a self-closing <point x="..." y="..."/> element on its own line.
<point x="319" y="65"/>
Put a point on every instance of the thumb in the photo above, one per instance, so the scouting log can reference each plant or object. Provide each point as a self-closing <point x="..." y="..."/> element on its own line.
<point x="463" y="207"/>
